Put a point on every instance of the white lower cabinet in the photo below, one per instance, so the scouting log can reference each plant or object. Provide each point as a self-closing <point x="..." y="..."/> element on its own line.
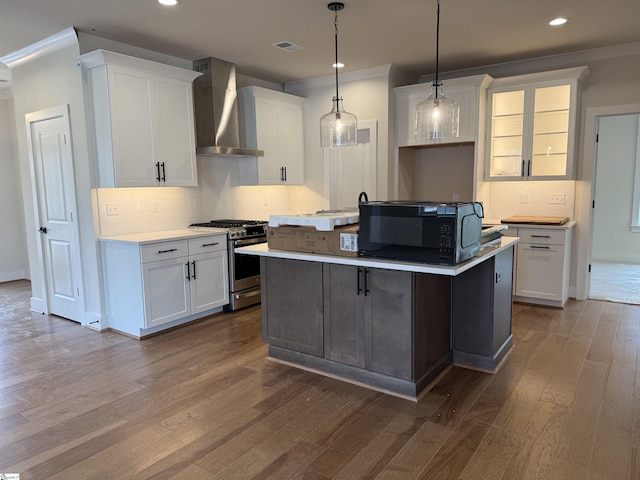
<point x="542" y="265"/>
<point x="165" y="283"/>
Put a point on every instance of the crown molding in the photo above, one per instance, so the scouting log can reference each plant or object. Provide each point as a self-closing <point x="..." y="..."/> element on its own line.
<point x="46" y="46"/>
<point x="539" y="64"/>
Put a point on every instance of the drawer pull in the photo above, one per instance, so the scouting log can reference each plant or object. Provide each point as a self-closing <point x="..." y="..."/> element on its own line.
<point x="167" y="251"/>
<point x="540" y="246"/>
<point x="540" y="236"/>
<point x="210" y="244"/>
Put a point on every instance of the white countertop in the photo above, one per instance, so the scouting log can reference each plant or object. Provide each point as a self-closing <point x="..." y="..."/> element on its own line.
<point x="491" y="221"/>
<point x="486" y="252"/>
<point x="163" y="235"/>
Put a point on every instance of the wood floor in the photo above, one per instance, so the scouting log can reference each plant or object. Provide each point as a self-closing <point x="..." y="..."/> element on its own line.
<point x="201" y="402"/>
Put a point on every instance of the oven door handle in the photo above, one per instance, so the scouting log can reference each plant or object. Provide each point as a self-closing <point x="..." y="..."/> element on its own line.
<point x="249" y="241"/>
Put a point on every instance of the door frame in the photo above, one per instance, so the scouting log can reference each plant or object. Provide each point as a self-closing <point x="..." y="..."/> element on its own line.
<point x="30" y="118"/>
<point x="585" y="192"/>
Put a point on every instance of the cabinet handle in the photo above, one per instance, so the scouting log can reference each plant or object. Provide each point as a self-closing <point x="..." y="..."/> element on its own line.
<point x="282" y="174"/>
<point x="209" y="244"/>
<point x="194" y="269"/>
<point x="522" y="171"/>
<point x="528" y="168"/>
<point x="167" y="251"/>
<point x="285" y="173"/>
<point x="540" y="247"/>
<point x="158" y="171"/>
<point x="366" y="281"/>
<point x="188" y="277"/>
<point x="359" y="290"/>
<point x="540" y="236"/>
<point x="164" y="178"/>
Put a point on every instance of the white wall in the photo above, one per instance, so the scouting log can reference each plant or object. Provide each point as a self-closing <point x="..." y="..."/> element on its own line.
<point x="13" y="249"/>
<point x="44" y="83"/>
<point x="615" y="173"/>
<point x="366" y="94"/>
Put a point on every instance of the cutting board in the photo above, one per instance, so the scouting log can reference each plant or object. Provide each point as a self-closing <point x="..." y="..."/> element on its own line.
<point x="538" y="220"/>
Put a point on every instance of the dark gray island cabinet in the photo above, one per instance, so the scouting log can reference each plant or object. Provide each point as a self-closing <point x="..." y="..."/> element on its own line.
<point x="392" y="326"/>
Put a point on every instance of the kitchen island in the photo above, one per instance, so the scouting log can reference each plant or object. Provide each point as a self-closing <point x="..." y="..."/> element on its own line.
<point x="392" y="326"/>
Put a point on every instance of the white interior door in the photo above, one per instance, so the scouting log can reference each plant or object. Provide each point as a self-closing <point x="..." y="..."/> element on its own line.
<point x="55" y="204"/>
<point x="351" y="170"/>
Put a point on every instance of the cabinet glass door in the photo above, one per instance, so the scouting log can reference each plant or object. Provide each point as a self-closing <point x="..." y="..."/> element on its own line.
<point x="507" y="134"/>
<point x="550" y="131"/>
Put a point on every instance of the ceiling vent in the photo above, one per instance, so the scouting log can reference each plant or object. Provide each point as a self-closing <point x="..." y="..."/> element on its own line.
<point x="287" y="46"/>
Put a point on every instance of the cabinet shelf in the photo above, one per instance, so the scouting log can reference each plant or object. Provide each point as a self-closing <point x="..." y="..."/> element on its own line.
<point x="533" y="118"/>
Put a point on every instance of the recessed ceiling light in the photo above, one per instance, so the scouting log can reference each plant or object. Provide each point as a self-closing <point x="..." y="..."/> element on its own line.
<point x="169" y="3"/>
<point x="338" y="65"/>
<point x="558" y="21"/>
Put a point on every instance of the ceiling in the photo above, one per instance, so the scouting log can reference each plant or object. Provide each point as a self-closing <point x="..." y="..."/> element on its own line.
<point x="371" y="32"/>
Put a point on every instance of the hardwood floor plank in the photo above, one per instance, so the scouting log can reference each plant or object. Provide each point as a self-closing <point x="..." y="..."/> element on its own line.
<point x="203" y="402"/>
<point x="461" y="388"/>
<point x="455" y="453"/>
<point x="612" y="455"/>
<point x="492" y="456"/>
<point x="562" y="383"/>
<point x="345" y="447"/>
<point x="534" y="452"/>
<point x="578" y="434"/>
<point x="601" y="348"/>
<point x="416" y="454"/>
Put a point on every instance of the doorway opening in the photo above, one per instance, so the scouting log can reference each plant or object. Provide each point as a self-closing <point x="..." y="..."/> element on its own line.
<point x="615" y="238"/>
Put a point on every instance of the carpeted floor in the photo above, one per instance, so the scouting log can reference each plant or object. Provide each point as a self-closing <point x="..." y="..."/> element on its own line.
<point x="615" y="282"/>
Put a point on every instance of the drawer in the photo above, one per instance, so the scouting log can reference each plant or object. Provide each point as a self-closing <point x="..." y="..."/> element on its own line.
<point x="510" y="232"/>
<point x="153" y="252"/>
<point x="213" y="243"/>
<point x="542" y="236"/>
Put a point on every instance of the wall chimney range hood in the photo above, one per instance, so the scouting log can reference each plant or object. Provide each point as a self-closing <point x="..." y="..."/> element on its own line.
<point x="216" y="110"/>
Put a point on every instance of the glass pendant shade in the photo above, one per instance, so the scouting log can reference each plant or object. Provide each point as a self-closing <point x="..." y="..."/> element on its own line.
<point x="338" y="128"/>
<point x="437" y="117"/>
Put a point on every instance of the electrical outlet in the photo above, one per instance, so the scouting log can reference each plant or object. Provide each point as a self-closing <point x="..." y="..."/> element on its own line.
<point x="265" y="202"/>
<point x="557" y="198"/>
<point x="456" y="197"/>
<point x="155" y="206"/>
<point x="524" y="198"/>
<point x="112" y="208"/>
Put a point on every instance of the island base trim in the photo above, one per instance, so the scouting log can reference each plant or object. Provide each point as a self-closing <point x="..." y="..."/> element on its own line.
<point x="483" y="363"/>
<point x="406" y="389"/>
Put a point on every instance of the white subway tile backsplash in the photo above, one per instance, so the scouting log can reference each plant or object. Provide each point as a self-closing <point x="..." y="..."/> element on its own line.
<point x="505" y="198"/>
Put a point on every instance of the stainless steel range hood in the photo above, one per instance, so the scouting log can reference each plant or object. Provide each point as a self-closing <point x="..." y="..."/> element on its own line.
<point x="216" y="110"/>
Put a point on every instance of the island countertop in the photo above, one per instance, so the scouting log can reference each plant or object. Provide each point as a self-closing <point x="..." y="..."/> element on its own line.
<point x="487" y="252"/>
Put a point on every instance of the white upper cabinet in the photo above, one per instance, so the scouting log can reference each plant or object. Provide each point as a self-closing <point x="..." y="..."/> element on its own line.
<point x="531" y="126"/>
<point x="466" y="91"/>
<point x="273" y="122"/>
<point x="141" y="114"/>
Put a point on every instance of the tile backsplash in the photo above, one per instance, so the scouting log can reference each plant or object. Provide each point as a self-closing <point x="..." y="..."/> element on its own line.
<point x="504" y="199"/>
<point x="218" y="195"/>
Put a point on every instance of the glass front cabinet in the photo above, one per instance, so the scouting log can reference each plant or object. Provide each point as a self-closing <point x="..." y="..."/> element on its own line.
<point x="531" y="126"/>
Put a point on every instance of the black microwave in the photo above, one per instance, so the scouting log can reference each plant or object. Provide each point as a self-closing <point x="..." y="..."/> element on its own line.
<point x="443" y="233"/>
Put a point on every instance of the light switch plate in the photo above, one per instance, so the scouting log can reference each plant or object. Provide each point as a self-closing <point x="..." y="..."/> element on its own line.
<point x="559" y="198"/>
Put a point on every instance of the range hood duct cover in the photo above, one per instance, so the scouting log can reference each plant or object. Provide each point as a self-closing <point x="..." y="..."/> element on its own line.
<point x="216" y="110"/>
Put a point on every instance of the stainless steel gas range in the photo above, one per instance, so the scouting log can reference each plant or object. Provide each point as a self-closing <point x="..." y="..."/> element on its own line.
<point x="244" y="270"/>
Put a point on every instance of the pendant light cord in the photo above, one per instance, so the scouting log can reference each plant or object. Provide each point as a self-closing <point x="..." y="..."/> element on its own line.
<point x="436" y="83"/>
<point x="335" y="25"/>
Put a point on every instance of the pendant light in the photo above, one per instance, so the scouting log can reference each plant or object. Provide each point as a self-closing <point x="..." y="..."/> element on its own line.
<point x="338" y="128"/>
<point x="437" y="116"/>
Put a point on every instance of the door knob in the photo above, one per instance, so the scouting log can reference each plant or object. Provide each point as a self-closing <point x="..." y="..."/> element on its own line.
<point x="43" y="229"/>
